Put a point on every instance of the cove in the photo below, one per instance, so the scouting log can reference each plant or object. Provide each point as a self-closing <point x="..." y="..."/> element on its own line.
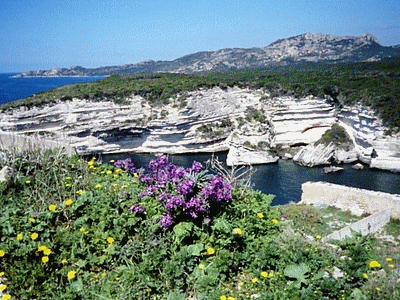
<point x="284" y="178"/>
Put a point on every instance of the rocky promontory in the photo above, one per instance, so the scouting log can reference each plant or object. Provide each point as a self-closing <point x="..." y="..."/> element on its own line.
<point x="252" y="125"/>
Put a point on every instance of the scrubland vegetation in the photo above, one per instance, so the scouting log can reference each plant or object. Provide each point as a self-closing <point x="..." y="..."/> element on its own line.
<point x="77" y="229"/>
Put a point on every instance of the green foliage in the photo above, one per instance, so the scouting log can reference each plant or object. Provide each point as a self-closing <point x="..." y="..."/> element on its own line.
<point x="247" y="248"/>
<point x="336" y="135"/>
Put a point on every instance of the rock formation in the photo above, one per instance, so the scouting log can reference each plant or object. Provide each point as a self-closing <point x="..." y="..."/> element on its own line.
<point x="251" y="124"/>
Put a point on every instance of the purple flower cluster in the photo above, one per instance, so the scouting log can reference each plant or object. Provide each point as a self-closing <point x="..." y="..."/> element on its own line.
<point x="126" y="165"/>
<point x="136" y="208"/>
<point x="180" y="191"/>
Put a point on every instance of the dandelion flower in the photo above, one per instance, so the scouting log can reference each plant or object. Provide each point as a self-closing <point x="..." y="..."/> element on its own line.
<point x="6" y="297"/>
<point x="374" y="264"/>
<point x="2" y="287"/>
<point x="52" y="207"/>
<point x="34" y="236"/>
<point x="260" y="215"/>
<point x="365" y="275"/>
<point x="237" y="231"/>
<point x="64" y="261"/>
<point x="254" y="280"/>
<point x="109" y="172"/>
<point x="110" y="240"/>
<point x="32" y="220"/>
<point x="391" y="266"/>
<point x="71" y="274"/>
<point x="68" y="202"/>
<point x="98" y="186"/>
<point x="389" y="259"/>
<point x="210" y="251"/>
<point x="45" y="259"/>
<point x="275" y="221"/>
<point x="201" y="266"/>
<point x="264" y="274"/>
<point x="19" y="236"/>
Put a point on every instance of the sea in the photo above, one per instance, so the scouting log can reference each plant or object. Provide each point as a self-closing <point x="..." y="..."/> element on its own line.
<point x="282" y="179"/>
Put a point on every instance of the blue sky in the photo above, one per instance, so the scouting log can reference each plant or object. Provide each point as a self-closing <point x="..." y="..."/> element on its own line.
<point x="42" y="34"/>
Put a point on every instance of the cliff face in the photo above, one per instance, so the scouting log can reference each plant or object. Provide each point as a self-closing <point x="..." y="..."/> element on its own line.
<point x="254" y="127"/>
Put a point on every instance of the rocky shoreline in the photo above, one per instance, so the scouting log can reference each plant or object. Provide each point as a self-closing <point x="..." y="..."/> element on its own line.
<point x="253" y="126"/>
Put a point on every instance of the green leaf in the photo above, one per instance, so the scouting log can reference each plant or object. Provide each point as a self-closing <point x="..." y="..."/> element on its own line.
<point x="77" y="285"/>
<point x="222" y="226"/>
<point x="298" y="272"/>
<point x="195" y="249"/>
<point x="182" y="230"/>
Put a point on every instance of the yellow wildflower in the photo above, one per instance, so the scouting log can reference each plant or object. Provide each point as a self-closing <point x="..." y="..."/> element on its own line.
<point x="254" y="280"/>
<point x="42" y="248"/>
<point x="2" y="274"/>
<point x="28" y="182"/>
<point x="47" y="251"/>
<point x="365" y="275"/>
<point x="34" y="236"/>
<point x="270" y="275"/>
<point x="98" y="186"/>
<point x="275" y="221"/>
<point x="318" y="237"/>
<point x="391" y="266"/>
<point x="45" y="259"/>
<point x="237" y="231"/>
<point x="79" y="192"/>
<point x="83" y="230"/>
<point x="135" y="175"/>
<point x="110" y="240"/>
<point x="64" y="261"/>
<point x="374" y="264"/>
<point x="231" y="298"/>
<point x="2" y="253"/>
<point x="67" y="178"/>
<point x="68" y="184"/>
<point x="378" y="289"/>
<point x="6" y="297"/>
<point x="117" y="171"/>
<point x="52" y="207"/>
<point x="264" y="274"/>
<point x="32" y="220"/>
<point x="102" y="172"/>
<point x="117" y="278"/>
<point x="68" y="202"/>
<point x="201" y="266"/>
<point x="2" y="287"/>
<point x="19" y="236"/>
<point x="112" y="161"/>
<point x="104" y="274"/>
<point x="210" y="251"/>
<point x="124" y="186"/>
<point x="389" y="259"/>
<point x="109" y="172"/>
<point x="90" y="163"/>
<point x="71" y="274"/>
<point x="223" y="297"/>
<point x="260" y="215"/>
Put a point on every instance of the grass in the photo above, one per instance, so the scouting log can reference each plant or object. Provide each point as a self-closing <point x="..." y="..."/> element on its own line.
<point x="67" y="232"/>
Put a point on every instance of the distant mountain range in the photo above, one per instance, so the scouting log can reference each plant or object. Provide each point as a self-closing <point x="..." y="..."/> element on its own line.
<point x="304" y="48"/>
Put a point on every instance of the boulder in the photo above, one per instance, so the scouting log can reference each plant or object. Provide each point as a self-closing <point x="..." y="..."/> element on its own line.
<point x="312" y="155"/>
<point x="5" y="173"/>
<point x="358" y="166"/>
<point x="241" y="156"/>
